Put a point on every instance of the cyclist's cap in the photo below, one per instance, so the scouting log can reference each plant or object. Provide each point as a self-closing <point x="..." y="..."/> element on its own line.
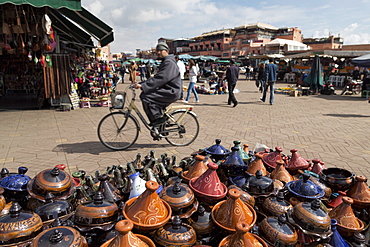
<point x="162" y="46"/>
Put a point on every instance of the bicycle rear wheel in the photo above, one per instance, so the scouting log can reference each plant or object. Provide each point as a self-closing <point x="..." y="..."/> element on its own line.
<point x="184" y="131"/>
<point x="118" y="131"/>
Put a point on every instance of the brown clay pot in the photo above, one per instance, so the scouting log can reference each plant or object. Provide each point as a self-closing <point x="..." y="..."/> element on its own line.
<point x="175" y="233"/>
<point x="256" y="165"/>
<point x="17" y="228"/>
<point x="98" y="214"/>
<point x="196" y="170"/>
<point x="148" y="212"/>
<point x="348" y="223"/>
<point x="226" y="214"/>
<point x="360" y="193"/>
<point x="181" y="199"/>
<point x="317" y="166"/>
<point x="311" y="218"/>
<point x="242" y="238"/>
<point x="56" y="181"/>
<point x="271" y="158"/>
<point x="280" y="173"/>
<point x="201" y="220"/>
<point x="244" y="196"/>
<point x="296" y="162"/>
<point x="208" y="187"/>
<point x="278" y="232"/>
<point x="59" y="236"/>
<point x="275" y="206"/>
<point x="126" y="238"/>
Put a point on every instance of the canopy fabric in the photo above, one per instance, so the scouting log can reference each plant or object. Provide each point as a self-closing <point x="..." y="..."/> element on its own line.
<point x="185" y="56"/>
<point x="91" y="24"/>
<point x="205" y="58"/>
<point x="67" y="30"/>
<point x="315" y="79"/>
<point x="362" y="61"/>
<point x="69" y="4"/>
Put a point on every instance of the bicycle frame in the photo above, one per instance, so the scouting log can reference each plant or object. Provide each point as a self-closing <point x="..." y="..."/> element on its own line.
<point x="132" y="107"/>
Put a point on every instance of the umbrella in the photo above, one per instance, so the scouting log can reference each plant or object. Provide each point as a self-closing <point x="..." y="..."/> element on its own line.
<point x="185" y="56"/>
<point x="362" y="61"/>
<point x="315" y="80"/>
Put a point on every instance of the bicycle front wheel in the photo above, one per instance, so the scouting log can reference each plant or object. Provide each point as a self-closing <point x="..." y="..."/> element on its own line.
<point x="184" y="131"/>
<point x="118" y="131"/>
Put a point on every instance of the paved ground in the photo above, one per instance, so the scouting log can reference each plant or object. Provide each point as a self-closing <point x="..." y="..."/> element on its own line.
<point x="332" y="128"/>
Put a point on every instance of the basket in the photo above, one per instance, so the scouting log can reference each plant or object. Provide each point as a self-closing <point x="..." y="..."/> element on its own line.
<point x="118" y="99"/>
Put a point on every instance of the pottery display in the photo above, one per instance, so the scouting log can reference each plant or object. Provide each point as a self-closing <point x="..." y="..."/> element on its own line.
<point x="202" y="223"/>
<point x="2" y="199"/>
<point x="148" y="211"/>
<point x="243" y="238"/>
<point x="110" y="192"/>
<point x="217" y="151"/>
<point x="305" y="188"/>
<point x="296" y="162"/>
<point x="19" y="228"/>
<point x="275" y="206"/>
<point x="317" y="166"/>
<point x="278" y="232"/>
<point x="181" y="199"/>
<point x="175" y="234"/>
<point x="256" y="165"/>
<point x="226" y="214"/>
<point x="242" y="153"/>
<point x="270" y="159"/>
<point x="59" y="237"/>
<point x="360" y="193"/>
<point x="311" y="218"/>
<point x="137" y="185"/>
<point x="258" y="184"/>
<point x="197" y="169"/>
<point x="99" y="214"/>
<point x="244" y="196"/>
<point x="208" y="187"/>
<point x="347" y="222"/>
<point x="126" y="238"/>
<point x="337" y="178"/>
<point x="56" y="181"/>
<point x="280" y="173"/>
<point x="336" y="239"/>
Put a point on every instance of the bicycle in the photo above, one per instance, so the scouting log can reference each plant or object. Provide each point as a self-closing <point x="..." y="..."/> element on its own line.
<point x="119" y="130"/>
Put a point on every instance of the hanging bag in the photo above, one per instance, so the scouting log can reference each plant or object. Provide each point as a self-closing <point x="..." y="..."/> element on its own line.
<point x="26" y="28"/>
<point x="17" y="27"/>
<point x="5" y="27"/>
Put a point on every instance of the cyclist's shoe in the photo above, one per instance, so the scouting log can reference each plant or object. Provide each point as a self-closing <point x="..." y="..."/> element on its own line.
<point x="155" y="133"/>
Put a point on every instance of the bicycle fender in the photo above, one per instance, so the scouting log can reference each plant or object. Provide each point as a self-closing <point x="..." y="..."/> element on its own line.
<point x="191" y="112"/>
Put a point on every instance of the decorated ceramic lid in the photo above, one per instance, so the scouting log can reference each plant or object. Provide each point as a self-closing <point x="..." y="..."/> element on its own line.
<point x="278" y="232"/>
<point x="311" y="217"/>
<point x="53" y="209"/>
<point x="60" y="236"/>
<point x="217" y="149"/>
<point x="18" y="226"/>
<point x="305" y="188"/>
<point x="235" y="162"/>
<point x="97" y="213"/>
<point x="16" y="182"/>
<point x="56" y="181"/>
<point x="178" y="195"/>
<point x="276" y="205"/>
<point x="259" y="184"/>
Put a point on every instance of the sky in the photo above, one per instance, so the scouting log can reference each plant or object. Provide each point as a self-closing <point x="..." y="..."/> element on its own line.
<point x="139" y="24"/>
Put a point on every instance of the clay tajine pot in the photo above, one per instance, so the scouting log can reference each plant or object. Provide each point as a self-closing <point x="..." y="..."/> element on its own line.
<point x="208" y="187"/>
<point x="126" y="238"/>
<point x="56" y="181"/>
<point x="242" y="238"/>
<point x="271" y="158"/>
<point x="226" y="214"/>
<point x="196" y="170"/>
<point x="275" y="206"/>
<point x="148" y="212"/>
<point x="305" y="188"/>
<point x="348" y="223"/>
<point x="217" y="151"/>
<point x="2" y="199"/>
<point x="256" y="165"/>
<point x="337" y="178"/>
<point x="17" y="228"/>
<point x="58" y="237"/>
<point x="296" y="162"/>
<point x="360" y="193"/>
<point x="181" y="199"/>
<point x="175" y="233"/>
<point x="278" y="232"/>
<point x="280" y="173"/>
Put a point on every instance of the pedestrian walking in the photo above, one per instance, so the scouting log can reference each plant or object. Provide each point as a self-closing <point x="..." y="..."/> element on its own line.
<point x="193" y="74"/>
<point x="132" y="71"/>
<point x="270" y="79"/>
<point x="182" y="69"/>
<point x="261" y="77"/>
<point x="232" y="75"/>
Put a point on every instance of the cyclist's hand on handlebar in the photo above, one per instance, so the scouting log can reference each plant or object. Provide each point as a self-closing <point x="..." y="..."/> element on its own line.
<point x="136" y="85"/>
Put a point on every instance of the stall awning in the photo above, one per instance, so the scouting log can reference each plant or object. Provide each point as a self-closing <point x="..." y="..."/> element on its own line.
<point x="67" y="30"/>
<point x="69" y="4"/>
<point x="91" y="24"/>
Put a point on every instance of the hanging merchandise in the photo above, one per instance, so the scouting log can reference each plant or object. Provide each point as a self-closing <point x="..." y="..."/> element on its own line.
<point x="48" y="61"/>
<point x="46" y="24"/>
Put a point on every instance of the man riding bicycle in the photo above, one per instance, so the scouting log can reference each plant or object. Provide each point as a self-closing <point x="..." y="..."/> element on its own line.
<point x="162" y="89"/>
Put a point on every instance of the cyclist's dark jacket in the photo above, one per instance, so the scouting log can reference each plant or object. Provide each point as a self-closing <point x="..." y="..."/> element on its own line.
<point x="165" y="86"/>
